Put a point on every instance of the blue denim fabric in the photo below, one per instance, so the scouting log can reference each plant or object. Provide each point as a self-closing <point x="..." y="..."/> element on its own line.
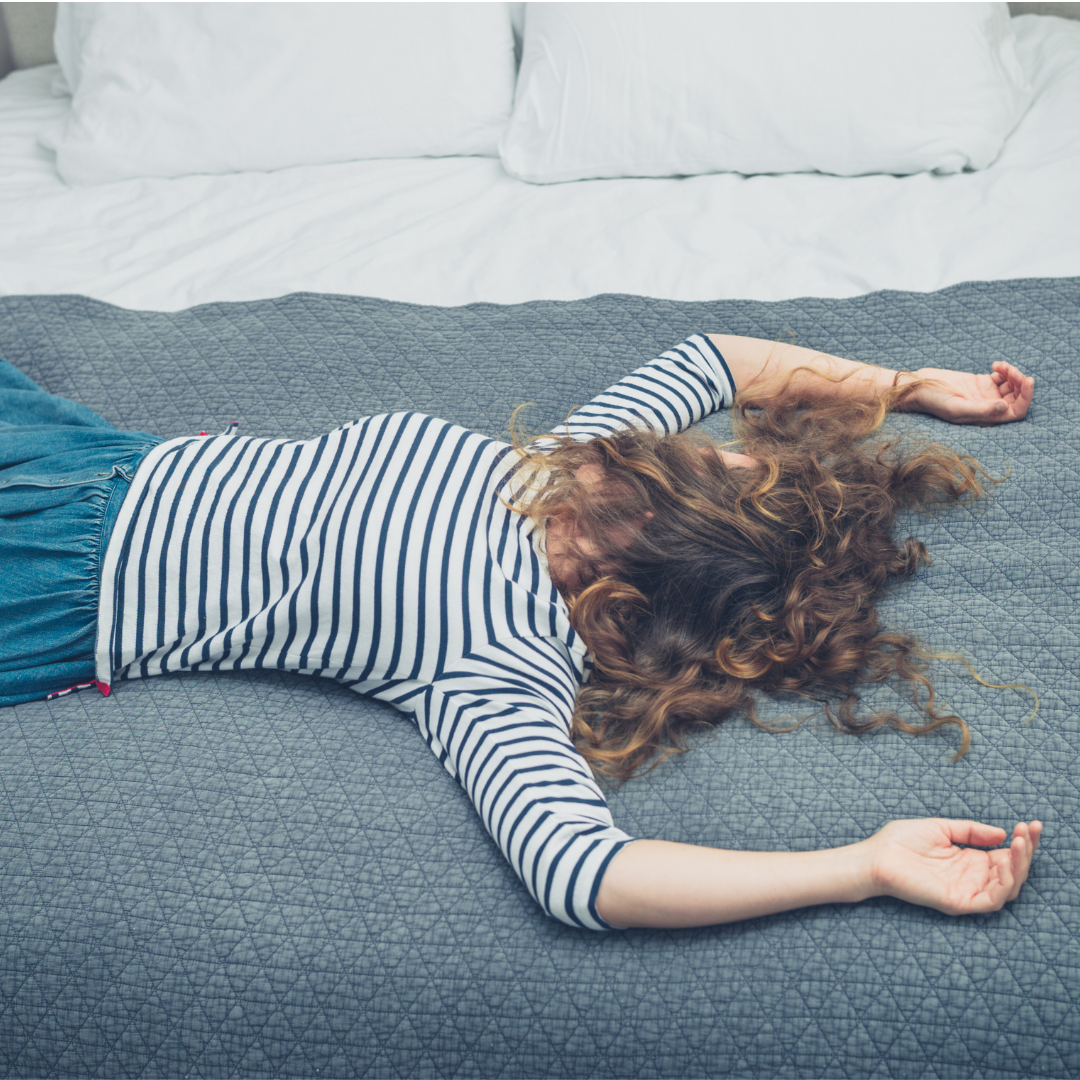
<point x="64" y="472"/>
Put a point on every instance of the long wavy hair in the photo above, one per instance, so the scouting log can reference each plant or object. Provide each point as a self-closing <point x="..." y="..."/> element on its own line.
<point x="696" y="585"/>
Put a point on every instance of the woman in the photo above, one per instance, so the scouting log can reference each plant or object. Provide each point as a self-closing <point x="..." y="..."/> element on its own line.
<point x="466" y="582"/>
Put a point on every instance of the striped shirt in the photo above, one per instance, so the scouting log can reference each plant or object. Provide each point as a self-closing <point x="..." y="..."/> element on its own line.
<point x="382" y="555"/>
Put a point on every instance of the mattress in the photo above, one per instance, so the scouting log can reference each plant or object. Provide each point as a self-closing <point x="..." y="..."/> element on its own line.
<point x="258" y="874"/>
<point x="460" y="230"/>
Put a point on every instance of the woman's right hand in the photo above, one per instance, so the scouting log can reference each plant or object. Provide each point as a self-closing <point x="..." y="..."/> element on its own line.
<point x="1002" y="395"/>
<point x="921" y="861"/>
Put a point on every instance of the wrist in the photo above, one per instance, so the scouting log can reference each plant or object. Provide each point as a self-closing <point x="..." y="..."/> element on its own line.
<point x="898" y="380"/>
<point x="864" y="877"/>
<point x="913" y="401"/>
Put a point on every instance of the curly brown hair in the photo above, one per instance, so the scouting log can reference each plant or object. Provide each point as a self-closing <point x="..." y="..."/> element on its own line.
<point x="696" y="584"/>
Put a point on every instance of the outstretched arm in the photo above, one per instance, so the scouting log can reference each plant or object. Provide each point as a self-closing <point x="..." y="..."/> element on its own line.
<point x="660" y="884"/>
<point x="1002" y="395"/>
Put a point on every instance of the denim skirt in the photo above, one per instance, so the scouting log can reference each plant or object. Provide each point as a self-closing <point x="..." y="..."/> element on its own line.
<point x="64" y="472"/>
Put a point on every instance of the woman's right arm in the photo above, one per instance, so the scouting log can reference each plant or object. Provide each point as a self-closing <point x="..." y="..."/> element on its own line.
<point x="669" y="393"/>
<point x="655" y="883"/>
<point x="1000" y="395"/>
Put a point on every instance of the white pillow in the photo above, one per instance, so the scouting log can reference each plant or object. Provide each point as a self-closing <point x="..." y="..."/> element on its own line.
<point x="674" y="89"/>
<point x="174" y="88"/>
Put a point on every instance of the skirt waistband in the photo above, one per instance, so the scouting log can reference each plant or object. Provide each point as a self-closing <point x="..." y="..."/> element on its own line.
<point x="64" y="472"/>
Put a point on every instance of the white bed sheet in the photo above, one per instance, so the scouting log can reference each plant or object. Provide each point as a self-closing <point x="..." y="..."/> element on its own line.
<point x="457" y="230"/>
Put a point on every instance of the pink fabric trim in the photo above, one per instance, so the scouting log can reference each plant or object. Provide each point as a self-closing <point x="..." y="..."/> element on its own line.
<point x="69" y="690"/>
<point x="105" y="689"/>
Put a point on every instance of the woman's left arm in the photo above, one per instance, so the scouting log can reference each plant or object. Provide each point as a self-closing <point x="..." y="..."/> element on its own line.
<point x="1001" y="395"/>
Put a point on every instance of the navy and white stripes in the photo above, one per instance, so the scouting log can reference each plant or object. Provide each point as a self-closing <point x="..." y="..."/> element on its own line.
<point x="382" y="556"/>
<point x="660" y="395"/>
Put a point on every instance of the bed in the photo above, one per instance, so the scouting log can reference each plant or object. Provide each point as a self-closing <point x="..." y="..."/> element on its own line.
<point x="255" y="874"/>
<point x="456" y="230"/>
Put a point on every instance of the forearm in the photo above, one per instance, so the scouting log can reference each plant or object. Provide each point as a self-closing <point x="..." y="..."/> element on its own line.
<point x="775" y="365"/>
<point x="661" y="884"/>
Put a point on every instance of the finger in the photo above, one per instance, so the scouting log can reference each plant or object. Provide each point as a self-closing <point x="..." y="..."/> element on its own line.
<point x="1024" y="397"/>
<point x="1000" y="880"/>
<point x="1019" y="861"/>
<point x="1034" y="831"/>
<point x="983" y="411"/>
<point x="1025" y="830"/>
<point x="1010" y="382"/>
<point x="974" y="833"/>
<point x="1011" y="371"/>
<point x="988" y="412"/>
<point x="1017" y="380"/>
<point x="1013" y="388"/>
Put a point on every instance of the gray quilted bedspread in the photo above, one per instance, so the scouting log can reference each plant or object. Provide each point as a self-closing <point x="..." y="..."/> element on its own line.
<point x="263" y="875"/>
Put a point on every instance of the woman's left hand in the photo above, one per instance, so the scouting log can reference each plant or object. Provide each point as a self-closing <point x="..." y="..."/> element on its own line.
<point x="960" y="398"/>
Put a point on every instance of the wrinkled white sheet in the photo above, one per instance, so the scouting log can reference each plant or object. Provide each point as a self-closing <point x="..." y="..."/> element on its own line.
<point x="457" y="230"/>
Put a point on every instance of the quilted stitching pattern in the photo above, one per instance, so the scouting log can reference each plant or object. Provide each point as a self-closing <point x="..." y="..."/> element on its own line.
<point x="260" y="875"/>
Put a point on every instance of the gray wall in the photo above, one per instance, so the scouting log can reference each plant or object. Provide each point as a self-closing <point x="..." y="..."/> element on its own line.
<point x="26" y="30"/>
<point x="25" y="35"/>
<point x="1067" y="11"/>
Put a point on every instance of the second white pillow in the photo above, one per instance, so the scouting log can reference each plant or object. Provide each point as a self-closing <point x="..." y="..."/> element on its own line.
<point x="646" y="89"/>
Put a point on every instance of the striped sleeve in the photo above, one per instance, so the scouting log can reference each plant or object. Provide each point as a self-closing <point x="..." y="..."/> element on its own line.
<point x="668" y="394"/>
<point x="511" y="751"/>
